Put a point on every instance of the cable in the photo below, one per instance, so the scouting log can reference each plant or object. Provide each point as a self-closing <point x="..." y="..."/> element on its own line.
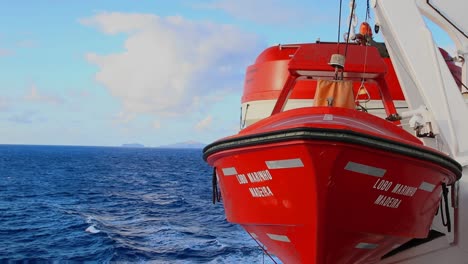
<point x="445" y="219"/>
<point x="368" y="11"/>
<point x="458" y="80"/>
<point x="339" y="28"/>
<point x="349" y="28"/>
<point x="216" y="192"/>
<point x="446" y="19"/>
<point x="262" y="247"/>
<point x="245" y="116"/>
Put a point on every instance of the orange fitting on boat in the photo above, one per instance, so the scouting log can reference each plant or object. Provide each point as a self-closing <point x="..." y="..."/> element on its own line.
<point x="365" y="29"/>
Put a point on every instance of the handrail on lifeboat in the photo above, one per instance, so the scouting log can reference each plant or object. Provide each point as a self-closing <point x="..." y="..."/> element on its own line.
<point x="311" y="61"/>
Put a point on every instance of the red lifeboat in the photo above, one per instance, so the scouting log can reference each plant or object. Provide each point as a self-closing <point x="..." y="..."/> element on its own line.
<point x="264" y="80"/>
<point x="326" y="181"/>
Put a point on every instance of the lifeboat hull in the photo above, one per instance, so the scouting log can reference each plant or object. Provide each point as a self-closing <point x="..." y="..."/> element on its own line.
<point x="314" y="185"/>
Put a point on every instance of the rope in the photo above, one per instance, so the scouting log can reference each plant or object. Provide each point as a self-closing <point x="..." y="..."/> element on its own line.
<point x="349" y="28"/>
<point x="362" y="87"/>
<point x="339" y="28"/>
<point x="263" y="248"/>
<point x="365" y="64"/>
<point x="463" y="85"/>
<point x="245" y="116"/>
<point x="362" y="80"/>
<point x="445" y="219"/>
<point x="446" y="19"/>
<point x="368" y="11"/>
<point x="216" y="193"/>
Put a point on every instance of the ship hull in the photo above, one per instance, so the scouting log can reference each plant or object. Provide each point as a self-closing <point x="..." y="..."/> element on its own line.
<point x="314" y="190"/>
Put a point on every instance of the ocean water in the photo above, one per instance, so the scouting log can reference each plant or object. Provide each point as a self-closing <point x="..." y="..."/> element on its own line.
<point x="104" y="205"/>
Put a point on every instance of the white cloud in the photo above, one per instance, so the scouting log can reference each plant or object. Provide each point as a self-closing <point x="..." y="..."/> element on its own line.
<point x="115" y="22"/>
<point x="123" y="118"/>
<point x="204" y="124"/>
<point x="34" y="95"/>
<point x="276" y="12"/>
<point x="78" y="93"/>
<point x="26" y="43"/>
<point x="4" y="104"/>
<point x="25" y="117"/>
<point x="156" y="125"/>
<point x="6" y="52"/>
<point x="170" y="65"/>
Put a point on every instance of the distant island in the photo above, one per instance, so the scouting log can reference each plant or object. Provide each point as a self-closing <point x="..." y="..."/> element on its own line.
<point x="186" y="144"/>
<point x="133" y="145"/>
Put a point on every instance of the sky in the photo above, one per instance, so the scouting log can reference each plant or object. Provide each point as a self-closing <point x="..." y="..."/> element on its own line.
<point x="155" y="72"/>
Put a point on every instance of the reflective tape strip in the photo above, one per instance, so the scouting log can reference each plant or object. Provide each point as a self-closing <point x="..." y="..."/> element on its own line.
<point x="282" y="164"/>
<point x="366" y="245"/>
<point x="279" y="237"/>
<point x="229" y="171"/>
<point x="425" y="186"/>
<point x="364" y="169"/>
<point x="254" y="235"/>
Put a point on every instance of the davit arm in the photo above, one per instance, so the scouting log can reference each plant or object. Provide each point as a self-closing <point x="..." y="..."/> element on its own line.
<point x="423" y="74"/>
<point x="431" y="92"/>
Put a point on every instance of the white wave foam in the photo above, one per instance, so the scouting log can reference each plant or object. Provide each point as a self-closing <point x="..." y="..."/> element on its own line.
<point x="92" y="229"/>
<point x="89" y="219"/>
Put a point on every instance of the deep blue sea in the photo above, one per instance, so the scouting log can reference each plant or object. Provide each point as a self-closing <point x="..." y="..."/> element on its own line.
<point x="104" y="204"/>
